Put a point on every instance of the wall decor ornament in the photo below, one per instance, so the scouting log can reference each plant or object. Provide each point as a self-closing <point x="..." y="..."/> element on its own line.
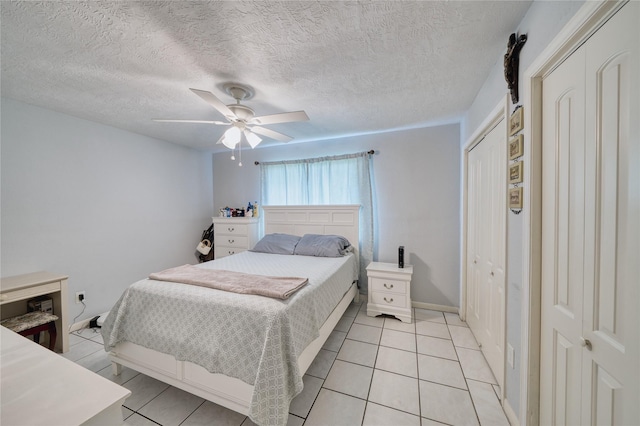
<point x="515" y="172"/>
<point x="515" y="198"/>
<point x="511" y="61"/>
<point x="516" y="121"/>
<point x="516" y="147"/>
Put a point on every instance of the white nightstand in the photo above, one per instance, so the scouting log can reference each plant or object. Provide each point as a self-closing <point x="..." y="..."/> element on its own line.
<point x="389" y="290"/>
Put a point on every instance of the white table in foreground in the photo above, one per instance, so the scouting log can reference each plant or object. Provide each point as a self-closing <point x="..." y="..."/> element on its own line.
<point x="40" y="387"/>
<point x="389" y="290"/>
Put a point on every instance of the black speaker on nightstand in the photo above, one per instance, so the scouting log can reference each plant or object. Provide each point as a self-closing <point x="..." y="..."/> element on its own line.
<point x="401" y="257"/>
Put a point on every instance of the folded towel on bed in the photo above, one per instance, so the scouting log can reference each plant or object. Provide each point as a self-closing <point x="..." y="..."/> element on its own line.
<point x="236" y="282"/>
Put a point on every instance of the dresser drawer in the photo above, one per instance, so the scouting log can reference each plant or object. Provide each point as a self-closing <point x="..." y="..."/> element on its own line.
<point x="236" y="241"/>
<point x="222" y="251"/>
<point x="389" y="299"/>
<point x="230" y="229"/>
<point x="387" y="285"/>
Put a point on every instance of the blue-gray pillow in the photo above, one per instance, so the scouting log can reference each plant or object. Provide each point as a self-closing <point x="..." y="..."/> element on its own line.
<point x="277" y="244"/>
<point x="322" y="245"/>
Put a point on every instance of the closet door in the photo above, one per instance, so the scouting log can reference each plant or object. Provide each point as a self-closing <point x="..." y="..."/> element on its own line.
<point x="486" y="200"/>
<point x="590" y="362"/>
<point x="563" y="178"/>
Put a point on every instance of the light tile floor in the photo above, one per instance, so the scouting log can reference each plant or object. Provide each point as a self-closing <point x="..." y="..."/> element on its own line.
<point x="371" y="371"/>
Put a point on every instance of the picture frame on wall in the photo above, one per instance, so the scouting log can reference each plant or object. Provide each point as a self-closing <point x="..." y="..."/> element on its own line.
<point x="515" y="198"/>
<point x="515" y="172"/>
<point x="516" y="122"/>
<point x="516" y="147"/>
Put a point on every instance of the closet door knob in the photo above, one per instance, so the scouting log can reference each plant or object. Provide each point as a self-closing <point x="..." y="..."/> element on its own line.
<point x="388" y="301"/>
<point x="586" y="343"/>
<point x="491" y="273"/>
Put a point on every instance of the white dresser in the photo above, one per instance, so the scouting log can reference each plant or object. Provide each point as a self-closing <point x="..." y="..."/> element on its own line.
<point x="233" y="235"/>
<point x="389" y="290"/>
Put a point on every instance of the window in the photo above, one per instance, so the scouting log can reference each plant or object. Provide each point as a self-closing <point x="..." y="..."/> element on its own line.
<point x="344" y="179"/>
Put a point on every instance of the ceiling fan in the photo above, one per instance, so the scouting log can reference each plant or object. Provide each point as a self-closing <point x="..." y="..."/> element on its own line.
<point x="242" y="119"/>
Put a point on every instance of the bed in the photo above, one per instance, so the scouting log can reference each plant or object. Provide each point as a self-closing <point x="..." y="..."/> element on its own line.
<point x="245" y="352"/>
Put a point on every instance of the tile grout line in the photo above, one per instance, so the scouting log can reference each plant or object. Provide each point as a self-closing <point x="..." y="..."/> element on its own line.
<point x="473" y="404"/>
<point x="415" y="336"/>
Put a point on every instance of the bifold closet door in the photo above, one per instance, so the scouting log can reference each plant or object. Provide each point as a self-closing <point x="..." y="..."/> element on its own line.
<point x="486" y="239"/>
<point x="590" y="358"/>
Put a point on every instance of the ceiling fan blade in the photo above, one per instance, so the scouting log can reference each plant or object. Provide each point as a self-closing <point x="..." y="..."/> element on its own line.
<point x="271" y="134"/>
<point x="220" y="123"/>
<point x="283" y="117"/>
<point x="210" y="98"/>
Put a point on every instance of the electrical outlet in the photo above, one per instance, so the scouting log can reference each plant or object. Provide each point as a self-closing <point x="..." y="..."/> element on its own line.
<point x="80" y="297"/>
<point x="510" y="355"/>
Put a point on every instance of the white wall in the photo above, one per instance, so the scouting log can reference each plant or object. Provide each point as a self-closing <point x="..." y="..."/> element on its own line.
<point x="541" y="23"/>
<point x="416" y="189"/>
<point x="103" y="205"/>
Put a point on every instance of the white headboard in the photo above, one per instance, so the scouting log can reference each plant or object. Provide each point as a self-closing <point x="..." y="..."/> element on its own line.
<point x="340" y="219"/>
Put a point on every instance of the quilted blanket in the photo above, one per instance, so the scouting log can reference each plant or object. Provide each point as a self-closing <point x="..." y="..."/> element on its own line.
<point x="253" y="338"/>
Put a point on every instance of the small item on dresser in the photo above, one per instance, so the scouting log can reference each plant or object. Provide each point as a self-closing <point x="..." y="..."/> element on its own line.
<point x="255" y="209"/>
<point x="401" y="257"/>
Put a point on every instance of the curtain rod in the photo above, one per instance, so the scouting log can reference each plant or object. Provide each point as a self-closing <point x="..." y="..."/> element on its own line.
<point x="371" y="152"/>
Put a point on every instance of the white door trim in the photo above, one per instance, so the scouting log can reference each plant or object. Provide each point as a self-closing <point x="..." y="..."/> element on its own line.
<point x="584" y="23"/>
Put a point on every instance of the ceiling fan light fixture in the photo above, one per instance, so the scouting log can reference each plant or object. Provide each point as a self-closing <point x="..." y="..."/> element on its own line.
<point x="252" y="138"/>
<point x="231" y="137"/>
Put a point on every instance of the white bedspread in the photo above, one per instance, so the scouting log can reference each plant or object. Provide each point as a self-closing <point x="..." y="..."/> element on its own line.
<point x="253" y="338"/>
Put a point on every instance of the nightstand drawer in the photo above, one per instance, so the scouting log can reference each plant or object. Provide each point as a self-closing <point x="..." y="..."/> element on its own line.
<point x="222" y="251"/>
<point x="389" y="299"/>
<point x="230" y="229"/>
<point x="387" y="285"/>
<point x="232" y="241"/>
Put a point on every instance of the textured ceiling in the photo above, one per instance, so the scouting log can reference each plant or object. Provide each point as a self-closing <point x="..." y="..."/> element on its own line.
<point x="354" y="67"/>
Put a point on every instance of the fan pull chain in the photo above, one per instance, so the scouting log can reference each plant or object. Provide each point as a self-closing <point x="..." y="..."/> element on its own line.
<point x="240" y="151"/>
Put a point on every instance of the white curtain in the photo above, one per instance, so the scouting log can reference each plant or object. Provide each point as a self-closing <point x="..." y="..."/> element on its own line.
<point x="343" y="179"/>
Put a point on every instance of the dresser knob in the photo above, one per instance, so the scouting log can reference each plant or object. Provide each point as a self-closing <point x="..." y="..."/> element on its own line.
<point x="388" y="286"/>
<point x="388" y="301"/>
<point x="231" y="241"/>
<point x="231" y="229"/>
<point x="232" y="252"/>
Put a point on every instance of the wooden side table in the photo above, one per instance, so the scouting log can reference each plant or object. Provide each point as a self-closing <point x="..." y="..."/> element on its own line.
<point x="389" y="290"/>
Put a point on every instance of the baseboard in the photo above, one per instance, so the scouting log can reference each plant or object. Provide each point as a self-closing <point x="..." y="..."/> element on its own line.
<point x="79" y="325"/>
<point x="511" y="415"/>
<point x="434" y="307"/>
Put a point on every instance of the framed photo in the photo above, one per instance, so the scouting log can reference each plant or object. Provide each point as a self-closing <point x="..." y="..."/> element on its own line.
<point x="516" y="122"/>
<point x="516" y="146"/>
<point x="515" y="172"/>
<point x="515" y="198"/>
